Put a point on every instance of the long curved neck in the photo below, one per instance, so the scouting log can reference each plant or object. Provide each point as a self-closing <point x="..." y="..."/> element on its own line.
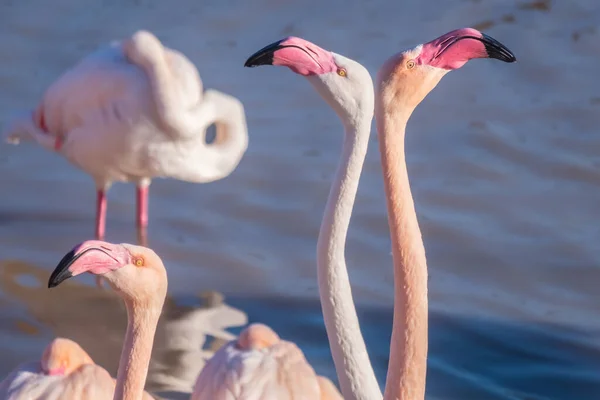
<point x="354" y="370"/>
<point x="137" y="349"/>
<point x="222" y="156"/>
<point x="408" y="350"/>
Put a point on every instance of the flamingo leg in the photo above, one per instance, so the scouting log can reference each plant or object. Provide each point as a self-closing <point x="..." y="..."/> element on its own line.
<point x="100" y="225"/>
<point x="100" y="214"/>
<point x="142" y="213"/>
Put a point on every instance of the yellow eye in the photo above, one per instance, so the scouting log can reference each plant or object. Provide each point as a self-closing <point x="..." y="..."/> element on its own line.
<point x="342" y="72"/>
<point x="139" y="262"/>
<point x="410" y="64"/>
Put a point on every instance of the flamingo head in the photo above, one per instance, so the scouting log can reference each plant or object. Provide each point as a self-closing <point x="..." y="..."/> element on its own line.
<point x="256" y="337"/>
<point x="134" y="271"/>
<point x="413" y="73"/>
<point x="63" y="356"/>
<point x="344" y="83"/>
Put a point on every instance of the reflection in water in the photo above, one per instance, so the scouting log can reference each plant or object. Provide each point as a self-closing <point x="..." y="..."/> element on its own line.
<point x="189" y="331"/>
<point x="181" y="347"/>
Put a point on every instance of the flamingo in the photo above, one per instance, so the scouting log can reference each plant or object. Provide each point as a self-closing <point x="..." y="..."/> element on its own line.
<point x="403" y="82"/>
<point x="261" y="366"/>
<point x="138" y="275"/>
<point x="132" y="111"/>
<point x="238" y="370"/>
<point x="347" y="87"/>
<point x="65" y="371"/>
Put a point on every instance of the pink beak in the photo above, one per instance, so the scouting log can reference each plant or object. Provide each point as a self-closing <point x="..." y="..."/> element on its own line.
<point x="94" y="256"/>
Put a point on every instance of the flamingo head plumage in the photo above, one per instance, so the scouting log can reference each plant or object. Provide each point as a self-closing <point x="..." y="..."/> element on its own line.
<point x="256" y="337"/>
<point x="344" y="83"/>
<point x="134" y="271"/>
<point x="413" y="73"/>
<point x="62" y="356"/>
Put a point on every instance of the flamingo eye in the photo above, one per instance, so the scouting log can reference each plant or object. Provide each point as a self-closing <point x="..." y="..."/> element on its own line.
<point x="139" y="262"/>
<point x="410" y="64"/>
<point x="342" y="72"/>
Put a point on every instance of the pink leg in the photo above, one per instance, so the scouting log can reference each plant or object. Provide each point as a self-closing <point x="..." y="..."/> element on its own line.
<point x="100" y="214"/>
<point x="142" y="212"/>
<point x="100" y="224"/>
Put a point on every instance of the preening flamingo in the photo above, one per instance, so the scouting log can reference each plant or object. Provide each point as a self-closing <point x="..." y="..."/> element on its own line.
<point x="65" y="372"/>
<point x="132" y="111"/>
<point x="348" y="88"/>
<point x="138" y="275"/>
<point x="402" y="83"/>
<point x="334" y="81"/>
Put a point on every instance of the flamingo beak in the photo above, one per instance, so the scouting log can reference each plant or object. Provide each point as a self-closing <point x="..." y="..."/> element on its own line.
<point x="93" y="256"/>
<point x="497" y="50"/>
<point x="264" y="56"/>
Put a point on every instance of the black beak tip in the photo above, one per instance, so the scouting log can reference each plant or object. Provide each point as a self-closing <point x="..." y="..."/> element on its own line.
<point x="249" y="64"/>
<point x="259" y="58"/>
<point x="61" y="273"/>
<point x="58" y="277"/>
<point x="497" y="50"/>
<point x="263" y="56"/>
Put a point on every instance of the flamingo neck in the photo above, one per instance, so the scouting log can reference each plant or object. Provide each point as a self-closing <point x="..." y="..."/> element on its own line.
<point x="142" y="321"/>
<point x="354" y="370"/>
<point x="183" y="122"/>
<point x="408" y="350"/>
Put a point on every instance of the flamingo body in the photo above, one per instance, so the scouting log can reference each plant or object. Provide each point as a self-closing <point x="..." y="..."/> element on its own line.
<point x="29" y="382"/>
<point x="260" y="366"/>
<point x="102" y="112"/>
<point x="65" y="372"/>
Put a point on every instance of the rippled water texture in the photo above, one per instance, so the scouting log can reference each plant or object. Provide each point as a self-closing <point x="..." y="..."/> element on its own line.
<point x="503" y="164"/>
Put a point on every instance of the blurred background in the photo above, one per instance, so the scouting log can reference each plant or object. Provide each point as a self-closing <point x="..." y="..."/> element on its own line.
<point x="503" y="165"/>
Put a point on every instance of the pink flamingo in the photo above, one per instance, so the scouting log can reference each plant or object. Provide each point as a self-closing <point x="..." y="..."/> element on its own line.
<point x="138" y="275"/>
<point x="403" y="83"/>
<point x="65" y="372"/>
<point x="133" y="111"/>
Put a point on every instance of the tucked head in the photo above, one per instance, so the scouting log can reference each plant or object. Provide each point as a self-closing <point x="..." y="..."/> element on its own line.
<point x="256" y="337"/>
<point x="136" y="272"/>
<point x="345" y="84"/>
<point x="414" y="73"/>
<point x="63" y="356"/>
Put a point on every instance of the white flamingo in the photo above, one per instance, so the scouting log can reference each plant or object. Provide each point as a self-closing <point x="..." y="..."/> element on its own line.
<point x="132" y="111"/>
<point x="251" y="367"/>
